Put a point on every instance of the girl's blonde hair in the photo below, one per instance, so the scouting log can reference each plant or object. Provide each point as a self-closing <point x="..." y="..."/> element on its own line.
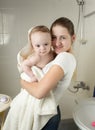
<point x="28" y="49"/>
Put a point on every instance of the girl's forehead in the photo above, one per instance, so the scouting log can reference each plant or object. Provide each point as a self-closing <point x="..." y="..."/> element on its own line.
<point x="35" y="34"/>
<point x="40" y="38"/>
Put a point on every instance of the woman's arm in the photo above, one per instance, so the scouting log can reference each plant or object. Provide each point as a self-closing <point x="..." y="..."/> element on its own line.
<point x="48" y="82"/>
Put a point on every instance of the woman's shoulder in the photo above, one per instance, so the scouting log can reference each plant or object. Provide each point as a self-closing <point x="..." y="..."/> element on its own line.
<point x="65" y="59"/>
<point x="65" y="55"/>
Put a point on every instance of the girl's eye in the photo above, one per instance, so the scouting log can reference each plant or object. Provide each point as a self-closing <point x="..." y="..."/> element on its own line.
<point x="46" y="44"/>
<point x="37" y="45"/>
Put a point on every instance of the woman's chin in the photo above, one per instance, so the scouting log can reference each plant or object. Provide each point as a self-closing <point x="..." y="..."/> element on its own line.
<point x="57" y="51"/>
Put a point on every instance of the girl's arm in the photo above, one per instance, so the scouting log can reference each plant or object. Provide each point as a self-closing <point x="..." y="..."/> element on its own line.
<point x="48" y="82"/>
<point x="28" y="63"/>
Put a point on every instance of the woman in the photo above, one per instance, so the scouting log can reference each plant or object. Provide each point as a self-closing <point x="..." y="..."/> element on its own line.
<point x="59" y="71"/>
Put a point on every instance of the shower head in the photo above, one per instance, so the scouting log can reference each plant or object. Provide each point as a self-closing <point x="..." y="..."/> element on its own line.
<point x="80" y="2"/>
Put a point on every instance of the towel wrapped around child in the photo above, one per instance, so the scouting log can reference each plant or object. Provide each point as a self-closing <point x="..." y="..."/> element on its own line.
<point x="27" y="112"/>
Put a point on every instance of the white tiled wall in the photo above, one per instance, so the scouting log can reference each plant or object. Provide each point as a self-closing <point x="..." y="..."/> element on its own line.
<point x="18" y="17"/>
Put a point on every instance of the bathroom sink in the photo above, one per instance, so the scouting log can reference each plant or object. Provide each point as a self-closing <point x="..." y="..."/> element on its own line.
<point x="84" y="114"/>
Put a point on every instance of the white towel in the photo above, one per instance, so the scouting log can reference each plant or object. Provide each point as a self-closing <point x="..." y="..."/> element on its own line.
<point x="28" y="112"/>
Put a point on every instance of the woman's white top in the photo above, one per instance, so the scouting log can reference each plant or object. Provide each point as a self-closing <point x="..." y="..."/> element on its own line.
<point x="68" y="63"/>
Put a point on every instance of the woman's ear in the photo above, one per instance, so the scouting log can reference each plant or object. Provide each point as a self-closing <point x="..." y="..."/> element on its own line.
<point x="73" y="38"/>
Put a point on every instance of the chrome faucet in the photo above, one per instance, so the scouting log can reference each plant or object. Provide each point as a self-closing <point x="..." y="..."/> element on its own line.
<point x="82" y="85"/>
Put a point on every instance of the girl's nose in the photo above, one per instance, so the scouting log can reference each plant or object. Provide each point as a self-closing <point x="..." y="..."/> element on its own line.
<point x="42" y="47"/>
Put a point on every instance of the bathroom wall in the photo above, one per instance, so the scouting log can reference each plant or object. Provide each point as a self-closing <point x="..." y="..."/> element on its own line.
<point x="18" y="16"/>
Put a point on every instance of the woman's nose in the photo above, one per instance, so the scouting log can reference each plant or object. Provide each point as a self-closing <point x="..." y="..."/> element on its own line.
<point x="58" y="42"/>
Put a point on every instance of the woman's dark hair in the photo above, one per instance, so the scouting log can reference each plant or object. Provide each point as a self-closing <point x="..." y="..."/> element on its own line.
<point x="64" y="22"/>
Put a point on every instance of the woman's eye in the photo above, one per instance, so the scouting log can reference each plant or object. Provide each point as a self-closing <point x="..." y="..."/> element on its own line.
<point x="63" y="37"/>
<point x="53" y="38"/>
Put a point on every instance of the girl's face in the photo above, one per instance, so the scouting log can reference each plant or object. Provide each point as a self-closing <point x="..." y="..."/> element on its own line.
<point x="61" y="39"/>
<point x="41" y="42"/>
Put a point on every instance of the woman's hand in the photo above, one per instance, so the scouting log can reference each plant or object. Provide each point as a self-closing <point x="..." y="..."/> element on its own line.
<point x="31" y="88"/>
<point x="25" y="84"/>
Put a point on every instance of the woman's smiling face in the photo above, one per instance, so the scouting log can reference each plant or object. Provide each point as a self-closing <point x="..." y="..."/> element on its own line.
<point x="61" y="39"/>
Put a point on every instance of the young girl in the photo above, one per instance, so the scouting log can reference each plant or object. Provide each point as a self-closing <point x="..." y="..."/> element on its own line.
<point x="26" y="110"/>
<point x="41" y="51"/>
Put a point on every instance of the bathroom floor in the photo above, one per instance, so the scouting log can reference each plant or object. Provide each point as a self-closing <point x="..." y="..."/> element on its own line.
<point x="67" y="124"/>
